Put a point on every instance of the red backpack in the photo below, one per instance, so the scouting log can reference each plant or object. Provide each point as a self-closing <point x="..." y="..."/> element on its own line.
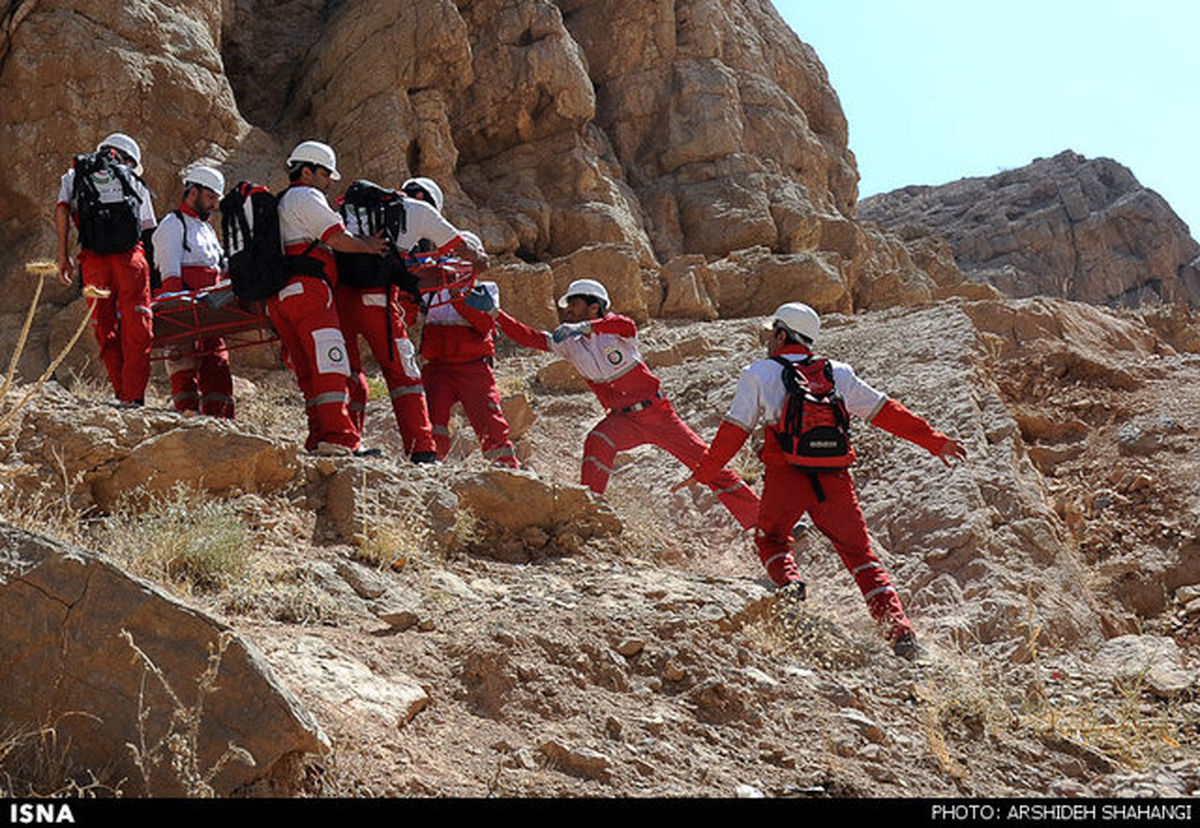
<point x="814" y="428"/>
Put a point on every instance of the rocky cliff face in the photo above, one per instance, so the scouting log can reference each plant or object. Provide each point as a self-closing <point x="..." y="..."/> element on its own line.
<point x="1065" y="226"/>
<point x="693" y="153"/>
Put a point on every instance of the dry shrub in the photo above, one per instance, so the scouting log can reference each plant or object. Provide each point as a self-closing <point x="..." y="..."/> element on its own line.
<point x="183" y="539"/>
<point x="394" y="534"/>
<point x="179" y="742"/>
<point x="291" y="598"/>
<point x="47" y="509"/>
<point x="797" y="630"/>
<point x="35" y="763"/>
<point x="962" y="701"/>
<point x="1129" y="728"/>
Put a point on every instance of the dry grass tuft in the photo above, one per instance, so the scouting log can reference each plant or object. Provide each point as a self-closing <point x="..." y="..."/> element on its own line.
<point x="392" y="535"/>
<point x="35" y="763"/>
<point x="798" y="630"/>
<point x="1130" y="727"/>
<point x="49" y="509"/>
<point x="185" y="540"/>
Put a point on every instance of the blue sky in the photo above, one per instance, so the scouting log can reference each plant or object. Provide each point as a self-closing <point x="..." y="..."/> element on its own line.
<point x="935" y="90"/>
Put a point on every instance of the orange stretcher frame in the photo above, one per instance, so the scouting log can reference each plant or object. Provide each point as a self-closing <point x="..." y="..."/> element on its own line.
<point x="191" y="316"/>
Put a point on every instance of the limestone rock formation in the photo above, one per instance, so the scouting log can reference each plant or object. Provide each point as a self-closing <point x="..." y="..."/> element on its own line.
<point x="1066" y="226"/>
<point x="573" y="134"/>
<point x="64" y="614"/>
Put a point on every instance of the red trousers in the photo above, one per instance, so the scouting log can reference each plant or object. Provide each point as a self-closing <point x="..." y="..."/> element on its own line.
<point x="474" y="385"/>
<point x="123" y="323"/>
<point x="659" y="425"/>
<point x="200" y="377"/>
<point x="304" y="315"/>
<point x="787" y="494"/>
<point x="366" y="313"/>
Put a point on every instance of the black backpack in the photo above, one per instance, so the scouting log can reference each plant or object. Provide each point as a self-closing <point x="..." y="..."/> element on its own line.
<point x="814" y="428"/>
<point x="253" y="247"/>
<point x="107" y="203"/>
<point x="374" y="208"/>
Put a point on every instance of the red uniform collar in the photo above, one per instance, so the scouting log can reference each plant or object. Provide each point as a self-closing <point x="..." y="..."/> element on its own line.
<point x="183" y="208"/>
<point x="793" y="349"/>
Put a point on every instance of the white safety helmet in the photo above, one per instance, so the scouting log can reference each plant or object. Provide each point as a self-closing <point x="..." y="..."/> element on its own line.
<point x="426" y="185"/>
<point x="123" y="143"/>
<point x="314" y="152"/>
<point x="585" y="287"/>
<point x="798" y="319"/>
<point x="208" y="177"/>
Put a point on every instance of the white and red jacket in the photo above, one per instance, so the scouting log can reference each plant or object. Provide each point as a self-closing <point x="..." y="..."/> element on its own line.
<point x="196" y="263"/>
<point x="760" y="398"/>
<point x="456" y="332"/>
<point x="608" y="358"/>
<point x="304" y="217"/>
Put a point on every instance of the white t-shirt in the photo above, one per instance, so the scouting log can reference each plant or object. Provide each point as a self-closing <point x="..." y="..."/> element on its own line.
<point x="169" y="253"/>
<point x="305" y="216"/>
<point x="760" y="393"/>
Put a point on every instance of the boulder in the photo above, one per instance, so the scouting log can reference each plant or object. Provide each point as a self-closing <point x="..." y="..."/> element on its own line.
<point x="202" y="453"/>
<point x="515" y="500"/>
<point x="1154" y="663"/>
<point x="71" y="621"/>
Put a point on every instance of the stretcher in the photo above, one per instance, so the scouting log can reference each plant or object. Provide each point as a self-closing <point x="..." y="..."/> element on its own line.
<point x="185" y="317"/>
<point x="441" y="279"/>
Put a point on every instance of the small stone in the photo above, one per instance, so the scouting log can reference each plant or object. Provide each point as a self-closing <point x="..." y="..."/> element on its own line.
<point x="864" y="725"/>
<point x="630" y="647"/>
<point x="1187" y="594"/>
<point x="400" y="619"/>
<point x="581" y="761"/>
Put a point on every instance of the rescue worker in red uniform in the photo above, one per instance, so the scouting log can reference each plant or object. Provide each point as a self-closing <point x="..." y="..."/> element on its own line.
<point x="458" y="348"/>
<point x="303" y="312"/>
<point x="188" y="256"/>
<point x="603" y="347"/>
<point x="382" y="315"/>
<point x="827" y="494"/>
<point x="122" y="322"/>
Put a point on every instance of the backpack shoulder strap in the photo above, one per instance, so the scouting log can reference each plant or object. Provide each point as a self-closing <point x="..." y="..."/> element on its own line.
<point x="179" y="215"/>
<point x="791" y="380"/>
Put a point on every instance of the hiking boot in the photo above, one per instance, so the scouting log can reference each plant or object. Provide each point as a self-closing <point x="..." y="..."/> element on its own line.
<point x="794" y="591"/>
<point x="426" y="458"/>
<point x="324" y="449"/>
<point x="907" y="647"/>
<point x="368" y="452"/>
<point x="129" y="403"/>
